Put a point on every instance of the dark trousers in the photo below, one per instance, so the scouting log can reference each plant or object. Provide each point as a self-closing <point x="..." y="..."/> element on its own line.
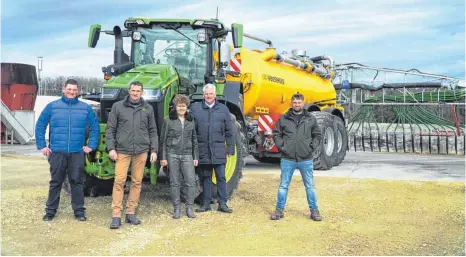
<point x="207" y="182"/>
<point x="62" y="164"/>
<point x="181" y="170"/>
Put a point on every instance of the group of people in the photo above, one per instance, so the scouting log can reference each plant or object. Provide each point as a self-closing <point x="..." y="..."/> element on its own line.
<point x="190" y="136"/>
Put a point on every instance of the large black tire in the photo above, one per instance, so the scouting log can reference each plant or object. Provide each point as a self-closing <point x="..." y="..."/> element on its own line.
<point x="324" y="154"/>
<point x="341" y="140"/>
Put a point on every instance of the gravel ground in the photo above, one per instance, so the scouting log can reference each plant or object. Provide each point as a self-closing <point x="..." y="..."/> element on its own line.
<point x="361" y="217"/>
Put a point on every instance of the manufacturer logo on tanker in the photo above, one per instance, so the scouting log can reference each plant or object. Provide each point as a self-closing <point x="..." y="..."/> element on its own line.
<point x="273" y="79"/>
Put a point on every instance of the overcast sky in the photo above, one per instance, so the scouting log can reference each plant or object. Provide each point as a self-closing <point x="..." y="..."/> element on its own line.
<point x="426" y="35"/>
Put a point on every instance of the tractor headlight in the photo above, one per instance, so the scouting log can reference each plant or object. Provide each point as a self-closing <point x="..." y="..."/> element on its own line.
<point x="109" y="93"/>
<point x="152" y="94"/>
<point x="202" y="36"/>
<point x="136" y="35"/>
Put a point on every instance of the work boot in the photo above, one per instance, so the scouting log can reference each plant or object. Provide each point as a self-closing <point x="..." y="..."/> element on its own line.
<point x="205" y="207"/>
<point x="80" y="217"/>
<point x="278" y="214"/>
<point x="189" y="212"/>
<point x="116" y="223"/>
<point x="315" y="215"/>
<point x="132" y="219"/>
<point x="48" y="217"/>
<point x="176" y="213"/>
<point x="224" y="208"/>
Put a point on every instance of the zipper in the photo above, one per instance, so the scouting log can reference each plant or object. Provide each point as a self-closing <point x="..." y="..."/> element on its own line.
<point x="69" y="125"/>
<point x="182" y="136"/>
<point x="296" y="140"/>
<point x="134" y="113"/>
<point x="209" y="135"/>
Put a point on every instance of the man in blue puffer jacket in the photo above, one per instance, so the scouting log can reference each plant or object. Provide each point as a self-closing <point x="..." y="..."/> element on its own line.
<point x="68" y="118"/>
<point x="214" y="126"/>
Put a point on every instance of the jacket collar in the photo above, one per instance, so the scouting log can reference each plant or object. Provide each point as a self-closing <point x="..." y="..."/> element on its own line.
<point x="174" y="116"/>
<point x="69" y="100"/>
<point x="205" y="106"/>
<point x="288" y="114"/>
<point x="125" y="102"/>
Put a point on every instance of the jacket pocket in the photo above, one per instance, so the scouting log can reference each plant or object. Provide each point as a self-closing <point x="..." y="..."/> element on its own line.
<point x="304" y="150"/>
<point x="285" y="148"/>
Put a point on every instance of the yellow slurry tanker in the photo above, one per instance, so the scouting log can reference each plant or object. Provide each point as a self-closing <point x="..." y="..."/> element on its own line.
<point x="269" y="80"/>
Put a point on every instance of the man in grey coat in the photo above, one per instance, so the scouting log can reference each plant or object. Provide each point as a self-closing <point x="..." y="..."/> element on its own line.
<point x="296" y="135"/>
<point x="131" y="134"/>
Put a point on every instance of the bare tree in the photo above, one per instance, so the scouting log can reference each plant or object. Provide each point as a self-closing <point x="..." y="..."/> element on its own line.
<point x="53" y="85"/>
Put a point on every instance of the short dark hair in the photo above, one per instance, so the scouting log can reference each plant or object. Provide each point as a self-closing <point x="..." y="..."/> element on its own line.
<point x="297" y="96"/>
<point x="71" y="82"/>
<point x="136" y="83"/>
<point x="181" y="99"/>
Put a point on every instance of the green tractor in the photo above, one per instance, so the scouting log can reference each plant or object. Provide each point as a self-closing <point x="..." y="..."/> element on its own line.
<point x="169" y="56"/>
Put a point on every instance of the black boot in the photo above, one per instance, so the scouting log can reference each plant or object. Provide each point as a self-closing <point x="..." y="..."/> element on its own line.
<point x="315" y="215"/>
<point x="176" y="212"/>
<point x="205" y="207"/>
<point x="224" y="208"/>
<point x="48" y="217"/>
<point x="132" y="219"/>
<point x="80" y="217"/>
<point x="278" y="214"/>
<point x="189" y="212"/>
<point x="116" y="223"/>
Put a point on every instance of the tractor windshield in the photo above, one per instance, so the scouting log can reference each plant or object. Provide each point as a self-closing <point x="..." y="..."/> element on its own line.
<point x="176" y="47"/>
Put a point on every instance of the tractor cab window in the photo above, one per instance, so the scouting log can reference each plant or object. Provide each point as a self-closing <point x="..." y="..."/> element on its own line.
<point x="167" y="46"/>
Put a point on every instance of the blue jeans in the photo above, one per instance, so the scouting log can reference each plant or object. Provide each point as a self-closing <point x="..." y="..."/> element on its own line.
<point x="307" y="173"/>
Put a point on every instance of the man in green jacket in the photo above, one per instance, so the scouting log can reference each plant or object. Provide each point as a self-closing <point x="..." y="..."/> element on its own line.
<point x="131" y="133"/>
<point x="296" y="135"/>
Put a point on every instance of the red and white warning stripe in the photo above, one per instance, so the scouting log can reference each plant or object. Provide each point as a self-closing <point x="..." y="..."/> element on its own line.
<point x="265" y="123"/>
<point x="235" y="64"/>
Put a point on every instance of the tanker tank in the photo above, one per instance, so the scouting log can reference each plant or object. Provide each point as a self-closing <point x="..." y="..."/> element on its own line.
<point x="271" y="79"/>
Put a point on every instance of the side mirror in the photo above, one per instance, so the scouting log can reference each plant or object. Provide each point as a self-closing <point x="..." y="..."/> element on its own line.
<point x="94" y="33"/>
<point x="225" y="54"/>
<point x="237" y="34"/>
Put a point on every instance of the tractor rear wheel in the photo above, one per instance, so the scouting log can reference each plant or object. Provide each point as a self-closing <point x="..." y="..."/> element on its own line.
<point x="325" y="152"/>
<point x="342" y="141"/>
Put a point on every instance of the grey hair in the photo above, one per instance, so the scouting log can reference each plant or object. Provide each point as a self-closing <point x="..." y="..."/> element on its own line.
<point x="209" y="86"/>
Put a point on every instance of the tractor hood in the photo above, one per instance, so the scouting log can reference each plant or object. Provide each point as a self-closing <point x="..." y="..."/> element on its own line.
<point x="154" y="77"/>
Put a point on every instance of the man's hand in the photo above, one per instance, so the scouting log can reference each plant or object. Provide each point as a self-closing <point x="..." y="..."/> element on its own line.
<point x="164" y="163"/>
<point x="153" y="157"/>
<point x="87" y="149"/>
<point x="113" y="155"/>
<point x="196" y="162"/>
<point x="46" y="151"/>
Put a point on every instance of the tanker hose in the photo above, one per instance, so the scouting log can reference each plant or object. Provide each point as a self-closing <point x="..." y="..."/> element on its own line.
<point x="323" y="57"/>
